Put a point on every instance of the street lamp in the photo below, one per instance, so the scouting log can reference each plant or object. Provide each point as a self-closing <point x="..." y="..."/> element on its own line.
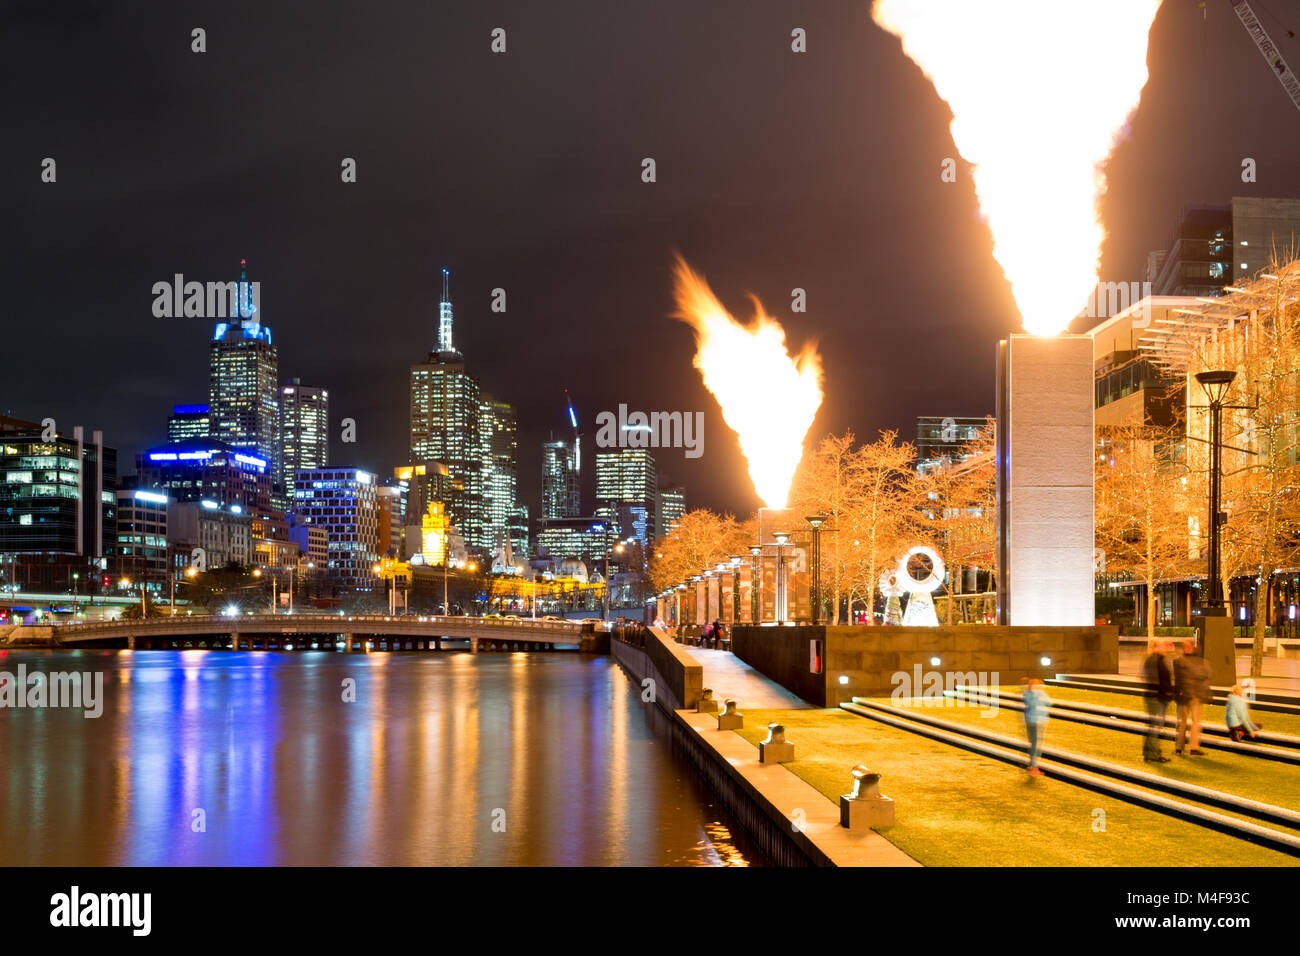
<point x="782" y="608"/>
<point x="1215" y="384"/>
<point x="816" y="521"/>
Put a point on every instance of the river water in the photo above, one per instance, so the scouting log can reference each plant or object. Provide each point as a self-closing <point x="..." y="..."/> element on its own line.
<point x="221" y="758"/>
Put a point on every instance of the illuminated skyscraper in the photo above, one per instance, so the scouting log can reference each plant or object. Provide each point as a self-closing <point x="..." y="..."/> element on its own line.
<point x="304" y="430"/>
<point x="243" y="382"/>
<point x="627" y="491"/>
<point x="501" y="511"/>
<point x="446" y="408"/>
<point x="561" y="491"/>
<point x="186" y="422"/>
<point x="672" y="505"/>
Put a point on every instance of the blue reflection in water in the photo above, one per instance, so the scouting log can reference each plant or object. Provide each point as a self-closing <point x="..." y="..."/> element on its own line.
<point x="431" y="752"/>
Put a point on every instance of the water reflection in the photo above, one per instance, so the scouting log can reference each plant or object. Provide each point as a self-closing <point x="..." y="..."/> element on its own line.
<point x="316" y="758"/>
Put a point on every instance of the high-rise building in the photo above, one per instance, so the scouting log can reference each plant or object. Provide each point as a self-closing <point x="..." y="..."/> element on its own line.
<point x="140" y="549"/>
<point x="304" y="430"/>
<point x="243" y="383"/>
<point x="57" y="505"/>
<point x="672" y="505"/>
<point x="939" y="438"/>
<point x="391" y="496"/>
<point x="561" y="486"/>
<point x="627" y="491"/>
<point x="500" y="438"/>
<point x="188" y="421"/>
<point x="1214" y="246"/>
<point x="445" y="426"/>
<point x="344" y="503"/>
<point x="202" y="469"/>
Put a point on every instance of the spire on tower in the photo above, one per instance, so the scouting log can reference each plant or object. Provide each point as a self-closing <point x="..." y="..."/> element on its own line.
<point x="444" y="315"/>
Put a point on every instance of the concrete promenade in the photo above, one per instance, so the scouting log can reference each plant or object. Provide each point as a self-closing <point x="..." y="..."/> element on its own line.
<point x="1281" y="675"/>
<point x="730" y="677"/>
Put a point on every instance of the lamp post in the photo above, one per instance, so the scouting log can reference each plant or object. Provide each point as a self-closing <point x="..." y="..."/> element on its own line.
<point x="1215" y="384"/>
<point x="782" y="609"/>
<point x="76" y="593"/>
<point x="816" y="521"/>
<point x="735" y="588"/>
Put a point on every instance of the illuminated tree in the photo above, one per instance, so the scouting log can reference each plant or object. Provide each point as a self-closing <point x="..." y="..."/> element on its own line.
<point x="701" y="539"/>
<point x="1141" y="505"/>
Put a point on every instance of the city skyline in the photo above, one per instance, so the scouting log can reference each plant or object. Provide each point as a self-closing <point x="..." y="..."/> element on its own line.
<point x="351" y="272"/>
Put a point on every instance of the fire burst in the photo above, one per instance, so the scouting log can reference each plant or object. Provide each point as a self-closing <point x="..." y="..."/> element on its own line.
<point x="1038" y="92"/>
<point x="767" y="397"/>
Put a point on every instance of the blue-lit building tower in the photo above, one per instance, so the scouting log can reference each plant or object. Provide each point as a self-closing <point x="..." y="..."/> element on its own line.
<point x="243" y="381"/>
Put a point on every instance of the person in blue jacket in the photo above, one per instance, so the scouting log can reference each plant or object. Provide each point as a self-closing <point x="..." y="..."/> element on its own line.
<point x="1036" y="704"/>
<point x="1237" y="715"/>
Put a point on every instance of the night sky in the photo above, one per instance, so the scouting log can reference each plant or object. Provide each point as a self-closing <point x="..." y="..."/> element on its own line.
<point x="522" y="170"/>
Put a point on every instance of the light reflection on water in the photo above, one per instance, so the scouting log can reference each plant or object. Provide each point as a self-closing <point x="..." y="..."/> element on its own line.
<point x="437" y="754"/>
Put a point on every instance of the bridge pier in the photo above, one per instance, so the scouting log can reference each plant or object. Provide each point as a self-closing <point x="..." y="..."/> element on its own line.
<point x="234" y="642"/>
<point x="347" y="643"/>
<point x="473" y="645"/>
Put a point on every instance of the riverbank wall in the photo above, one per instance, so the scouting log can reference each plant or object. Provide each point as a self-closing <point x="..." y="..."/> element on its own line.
<point x="678" y="680"/>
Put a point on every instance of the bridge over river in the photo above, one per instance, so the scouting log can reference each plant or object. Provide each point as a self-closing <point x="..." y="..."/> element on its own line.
<point x="403" y="632"/>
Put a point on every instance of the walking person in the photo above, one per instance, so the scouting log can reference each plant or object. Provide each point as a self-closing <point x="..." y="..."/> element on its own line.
<point x="1192" y="692"/>
<point x="719" y="633"/>
<point x="1036" y="704"/>
<point x="1160" y="691"/>
<point x="1237" y="716"/>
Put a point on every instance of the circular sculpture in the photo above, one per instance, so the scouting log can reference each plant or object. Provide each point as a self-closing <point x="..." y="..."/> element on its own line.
<point x="931" y="582"/>
<point x="920" y="608"/>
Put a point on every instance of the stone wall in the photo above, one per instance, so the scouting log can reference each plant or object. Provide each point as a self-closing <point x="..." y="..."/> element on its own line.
<point x="863" y="661"/>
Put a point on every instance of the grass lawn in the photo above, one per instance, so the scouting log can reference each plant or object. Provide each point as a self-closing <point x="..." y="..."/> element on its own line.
<point x="1268" y="781"/>
<point x="955" y="808"/>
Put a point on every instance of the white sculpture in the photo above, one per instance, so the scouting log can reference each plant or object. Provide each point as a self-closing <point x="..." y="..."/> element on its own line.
<point x="892" y="591"/>
<point x="920" y="607"/>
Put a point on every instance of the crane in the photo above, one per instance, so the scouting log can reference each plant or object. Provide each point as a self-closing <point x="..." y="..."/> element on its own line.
<point x="1268" y="49"/>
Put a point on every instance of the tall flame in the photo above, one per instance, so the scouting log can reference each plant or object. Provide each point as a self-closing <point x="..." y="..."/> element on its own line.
<point x="1039" y="90"/>
<point x="768" y="398"/>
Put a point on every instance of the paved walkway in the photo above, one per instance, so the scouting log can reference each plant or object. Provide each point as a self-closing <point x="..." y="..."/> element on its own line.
<point x="1281" y="675"/>
<point x="730" y="677"/>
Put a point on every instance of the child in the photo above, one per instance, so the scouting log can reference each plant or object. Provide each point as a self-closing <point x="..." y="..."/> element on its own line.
<point x="1237" y="716"/>
<point x="1036" y="704"/>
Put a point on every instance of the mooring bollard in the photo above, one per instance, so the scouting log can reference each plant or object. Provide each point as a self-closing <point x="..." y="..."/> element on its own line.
<point x="775" y="749"/>
<point x="706" y="704"/>
<point x="866" y="806"/>
<point x="730" y="718"/>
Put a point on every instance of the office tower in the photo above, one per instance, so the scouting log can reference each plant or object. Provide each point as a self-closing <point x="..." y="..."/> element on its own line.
<point x="188" y="421"/>
<point x="627" y="491"/>
<point x="1214" y="246"/>
<point x="672" y="505"/>
<point x="939" y="438"/>
<point x="561" y="486"/>
<point x="500" y="440"/>
<point x="222" y="533"/>
<point x="392" y="495"/>
<point x="445" y="427"/>
<point x="206" y="469"/>
<point x="57" y="506"/>
<point x="243" y="383"/>
<point x="304" y="430"/>
<point x="140" y="548"/>
<point x="344" y="503"/>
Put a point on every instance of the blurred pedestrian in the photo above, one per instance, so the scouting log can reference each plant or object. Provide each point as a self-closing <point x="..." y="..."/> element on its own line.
<point x="1160" y="691"/>
<point x="1036" y="704"/>
<point x="1237" y="716"/>
<point x="1192" y="692"/>
<point x="706" y="635"/>
<point x="719" y="633"/>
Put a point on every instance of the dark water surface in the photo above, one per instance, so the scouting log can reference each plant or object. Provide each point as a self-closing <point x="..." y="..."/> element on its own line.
<point x="436" y="749"/>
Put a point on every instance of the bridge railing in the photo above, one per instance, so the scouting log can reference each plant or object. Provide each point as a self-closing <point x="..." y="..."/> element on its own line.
<point x="342" y="621"/>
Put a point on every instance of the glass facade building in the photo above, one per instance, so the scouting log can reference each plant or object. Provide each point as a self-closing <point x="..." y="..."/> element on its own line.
<point x="304" y="431"/>
<point x="343" y="502"/>
<point x="627" y="491"/>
